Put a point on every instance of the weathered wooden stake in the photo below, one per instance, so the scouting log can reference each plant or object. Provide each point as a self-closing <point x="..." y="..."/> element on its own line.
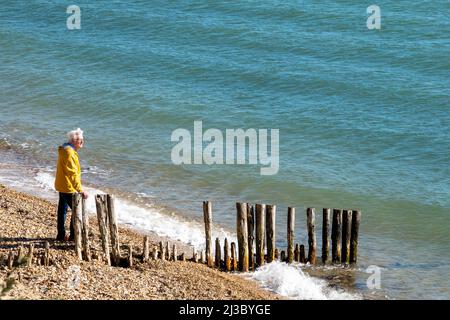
<point x="20" y="255"/>
<point x="113" y="229"/>
<point x="183" y="257"/>
<point x="326" y="235"/>
<point x="168" y="255"/>
<point x="30" y="255"/>
<point x="260" y="226"/>
<point x="234" y="257"/>
<point x="290" y="234"/>
<point x="242" y="235"/>
<point x="227" y="258"/>
<point x="207" y="217"/>
<point x="130" y="256"/>
<point x="195" y="256"/>
<point x="47" y="253"/>
<point x="145" y="250"/>
<point x="302" y="254"/>
<point x="85" y="231"/>
<point x="100" y="202"/>
<point x="162" y="251"/>
<point x="297" y="253"/>
<point x="283" y="256"/>
<point x="346" y="234"/>
<point x="174" y="252"/>
<point x="155" y="253"/>
<point x="251" y="235"/>
<point x="356" y="218"/>
<point x="218" y="254"/>
<point x="336" y="232"/>
<point x="202" y="257"/>
<point x="276" y="254"/>
<point x="77" y="217"/>
<point x="270" y="232"/>
<point x="311" y="217"/>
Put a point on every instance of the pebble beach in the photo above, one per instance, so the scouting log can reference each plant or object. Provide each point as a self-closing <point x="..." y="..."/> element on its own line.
<point x="26" y="219"/>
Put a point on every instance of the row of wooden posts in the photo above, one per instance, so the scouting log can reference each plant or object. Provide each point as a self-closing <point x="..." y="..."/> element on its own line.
<point x="256" y="235"/>
<point x="30" y="258"/>
<point x="256" y="225"/>
<point x="107" y="223"/>
<point x="109" y="234"/>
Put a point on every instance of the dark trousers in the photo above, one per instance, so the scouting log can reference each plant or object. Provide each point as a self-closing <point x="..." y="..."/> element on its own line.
<point x="65" y="201"/>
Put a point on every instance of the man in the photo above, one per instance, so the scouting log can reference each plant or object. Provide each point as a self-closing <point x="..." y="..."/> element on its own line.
<point x="68" y="179"/>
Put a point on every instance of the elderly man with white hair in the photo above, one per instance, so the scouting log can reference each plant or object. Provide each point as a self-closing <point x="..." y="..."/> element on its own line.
<point x="68" y="179"/>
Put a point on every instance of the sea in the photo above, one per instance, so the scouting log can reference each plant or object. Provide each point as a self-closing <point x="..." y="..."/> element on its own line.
<point x="363" y="117"/>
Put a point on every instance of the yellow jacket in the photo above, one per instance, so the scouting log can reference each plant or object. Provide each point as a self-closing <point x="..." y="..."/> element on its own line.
<point x="68" y="170"/>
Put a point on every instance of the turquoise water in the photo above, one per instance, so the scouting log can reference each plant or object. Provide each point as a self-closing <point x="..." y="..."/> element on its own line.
<point x="363" y="114"/>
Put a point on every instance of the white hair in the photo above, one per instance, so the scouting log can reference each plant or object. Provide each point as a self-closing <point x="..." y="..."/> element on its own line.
<point x="71" y="135"/>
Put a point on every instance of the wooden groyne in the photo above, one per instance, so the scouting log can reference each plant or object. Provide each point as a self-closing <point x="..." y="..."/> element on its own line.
<point x="344" y="237"/>
<point x="255" y="230"/>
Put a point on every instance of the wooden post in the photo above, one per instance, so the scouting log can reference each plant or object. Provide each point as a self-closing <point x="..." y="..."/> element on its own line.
<point x="85" y="231"/>
<point x="234" y="261"/>
<point x="77" y="218"/>
<point x="326" y="235"/>
<point x="113" y="229"/>
<point x="207" y="217"/>
<point x="227" y="258"/>
<point x="145" y="250"/>
<point x="218" y="254"/>
<point x="297" y="253"/>
<point x="195" y="258"/>
<point x="290" y="233"/>
<point x="100" y="202"/>
<point x="260" y="226"/>
<point x="311" y="217"/>
<point x="242" y="235"/>
<point x="162" y="251"/>
<point x="183" y="257"/>
<point x="356" y="218"/>
<point x="155" y="253"/>
<point x="47" y="253"/>
<point x="336" y="232"/>
<point x="277" y="254"/>
<point x="283" y="256"/>
<point x="130" y="256"/>
<point x="251" y="235"/>
<point x="202" y="256"/>
<point x="20" y="256"/>
<point x="168" y="255"/>
<point x="346" y="234"/>
<point x="302" y="254"/>
<point x="270" y="232"/>
<point x="174" y="252"/>
<point x="30" y="255"/>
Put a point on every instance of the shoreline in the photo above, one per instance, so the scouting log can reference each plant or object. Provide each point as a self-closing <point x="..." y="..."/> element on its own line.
<point x="26" y="219"/>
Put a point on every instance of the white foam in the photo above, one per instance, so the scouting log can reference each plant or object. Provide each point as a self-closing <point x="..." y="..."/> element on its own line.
<point x="291" y="281"/>
<point x="45" y="180"/>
